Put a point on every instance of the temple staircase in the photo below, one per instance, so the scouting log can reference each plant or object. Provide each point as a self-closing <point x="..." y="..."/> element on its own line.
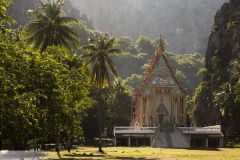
<point x="168" y="136"/>
<point x="168" y="139"/>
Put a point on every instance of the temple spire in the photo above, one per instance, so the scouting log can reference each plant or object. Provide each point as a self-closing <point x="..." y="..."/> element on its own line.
<point x="162" y="44"/>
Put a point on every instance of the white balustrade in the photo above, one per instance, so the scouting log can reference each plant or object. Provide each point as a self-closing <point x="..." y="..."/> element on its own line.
<point x="200" y="129"/>
<point x="152" y="130"/>
<point x="145" y="130"/>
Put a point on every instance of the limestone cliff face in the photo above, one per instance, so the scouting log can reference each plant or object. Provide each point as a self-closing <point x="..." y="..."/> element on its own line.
<point x="223" y="47"/>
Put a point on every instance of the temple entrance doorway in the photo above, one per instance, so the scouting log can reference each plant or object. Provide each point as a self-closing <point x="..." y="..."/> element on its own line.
<point x="161" y="119"/>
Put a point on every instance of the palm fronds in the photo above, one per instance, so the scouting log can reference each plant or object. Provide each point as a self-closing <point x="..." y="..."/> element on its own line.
<point x="99" y="50"/>
<point x="49" y="28"/>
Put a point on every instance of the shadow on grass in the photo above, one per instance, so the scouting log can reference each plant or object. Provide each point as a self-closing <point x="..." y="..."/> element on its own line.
<point x="130" y="158"/>
<point x="204" y="149"/>
<point x="84" y="155"/>
<point x="91" y="157"/>
<point x="106" y="158"/>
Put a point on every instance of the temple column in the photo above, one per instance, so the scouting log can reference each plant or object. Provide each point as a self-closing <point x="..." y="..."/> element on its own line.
<point x="221" y="142"/>
<point x="206" y="142"/>
<point x="129" y="141"/>
<point x="171" y="116"/>
<point x="115" y="142"/>
<point x="151" y="140"/>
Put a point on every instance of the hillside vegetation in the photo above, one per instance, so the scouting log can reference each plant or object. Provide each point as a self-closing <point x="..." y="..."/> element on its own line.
<point x="218" y="95"/>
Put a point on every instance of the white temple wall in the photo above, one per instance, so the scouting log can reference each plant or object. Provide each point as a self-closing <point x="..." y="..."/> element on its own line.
<point x="174" y="104"/>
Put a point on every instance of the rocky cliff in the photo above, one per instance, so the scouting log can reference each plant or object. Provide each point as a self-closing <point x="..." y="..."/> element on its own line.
<point x="223" y="47"/>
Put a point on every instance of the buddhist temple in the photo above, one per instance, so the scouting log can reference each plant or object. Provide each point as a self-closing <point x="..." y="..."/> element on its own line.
<point x="159" y="114"/>
<point x="160" y="98"/>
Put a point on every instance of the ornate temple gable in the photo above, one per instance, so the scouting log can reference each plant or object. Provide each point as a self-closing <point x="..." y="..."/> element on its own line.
<point x="161" y="75"/>
<point x="159" y="95"/>
<point x="160" y="72"/>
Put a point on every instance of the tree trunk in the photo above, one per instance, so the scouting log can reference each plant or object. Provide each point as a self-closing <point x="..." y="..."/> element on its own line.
<point x="99" y="129"/>
<point x="57" y="149"/>
<point x="69" y="142"/>
<point x="1" y="144"/>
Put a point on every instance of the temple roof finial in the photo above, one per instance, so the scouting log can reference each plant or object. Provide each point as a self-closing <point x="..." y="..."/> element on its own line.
<point x="162" y="43"/>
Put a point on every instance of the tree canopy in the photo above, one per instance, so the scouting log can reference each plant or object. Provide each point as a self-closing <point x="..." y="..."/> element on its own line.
<point x="40" y="94"/>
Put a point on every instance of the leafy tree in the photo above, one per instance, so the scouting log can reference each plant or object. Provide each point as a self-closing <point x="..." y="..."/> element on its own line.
<point x="223" y="99"/>
<point x="40" y="95"/>
<point x="189" y="65"/>
<point x="126" y="45"/>
<point x="48" y="27"/>
<point x="235" y="68"/>
<point x="100" y="49"/>
<point x="116" y="99"/>
<point x="122" y="103"/>
<point x="193" y="111"/>
<point x="133" y="80"/>
<point x="4" y="18"/>
<point x="145" y="45"/>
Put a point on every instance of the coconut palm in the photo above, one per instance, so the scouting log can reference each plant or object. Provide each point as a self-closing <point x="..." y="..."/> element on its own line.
<point x="100" y="49"/>
<point x="49" y="27"/>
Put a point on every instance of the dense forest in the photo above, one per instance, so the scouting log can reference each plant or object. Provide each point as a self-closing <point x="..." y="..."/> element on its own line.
<point x="55" y="85"/>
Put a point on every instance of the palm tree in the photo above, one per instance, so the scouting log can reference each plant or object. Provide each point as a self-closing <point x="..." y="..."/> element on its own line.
<point x="48" y="27"/>
<point x="100" y="49"/>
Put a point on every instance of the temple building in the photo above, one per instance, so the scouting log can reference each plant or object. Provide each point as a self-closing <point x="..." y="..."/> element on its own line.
<point x="160" y="98"/>
<point x="159" y="114"/>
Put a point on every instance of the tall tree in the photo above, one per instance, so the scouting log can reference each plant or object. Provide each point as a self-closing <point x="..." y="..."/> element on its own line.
<point x="100" y="49"/>
<point x="49" y="27"/>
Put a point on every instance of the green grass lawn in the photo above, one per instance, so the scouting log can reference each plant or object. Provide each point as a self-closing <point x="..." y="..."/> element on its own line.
<point x="147" y="153"/>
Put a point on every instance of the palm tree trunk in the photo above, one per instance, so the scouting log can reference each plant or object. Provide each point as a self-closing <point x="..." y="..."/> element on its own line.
<point x="99" y="128"/>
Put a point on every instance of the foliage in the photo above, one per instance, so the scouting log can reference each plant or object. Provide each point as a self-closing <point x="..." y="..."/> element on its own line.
<point x="202" y="71"/>
<point x="145" y="45"/>
<point x="112" y="101"/>
<point x="48" y="27"/>
<point x="41" y="94"/>
<point x="223" y="99"/>
<point x="55" y="86"/>
<point x="100" y="49"/>
<point x="228" y="100"/>
<point x="133" y="80"/>
<point x="235" y="68"/>
<point x="126" y="44"/>
<point x="193" y="101"/>
<point x="121" y="102"/>
<point x="4" y="18"/>
<point x="187" y="64"/>
<point x="135" y="54"/>
<point x="231" y="25"/>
